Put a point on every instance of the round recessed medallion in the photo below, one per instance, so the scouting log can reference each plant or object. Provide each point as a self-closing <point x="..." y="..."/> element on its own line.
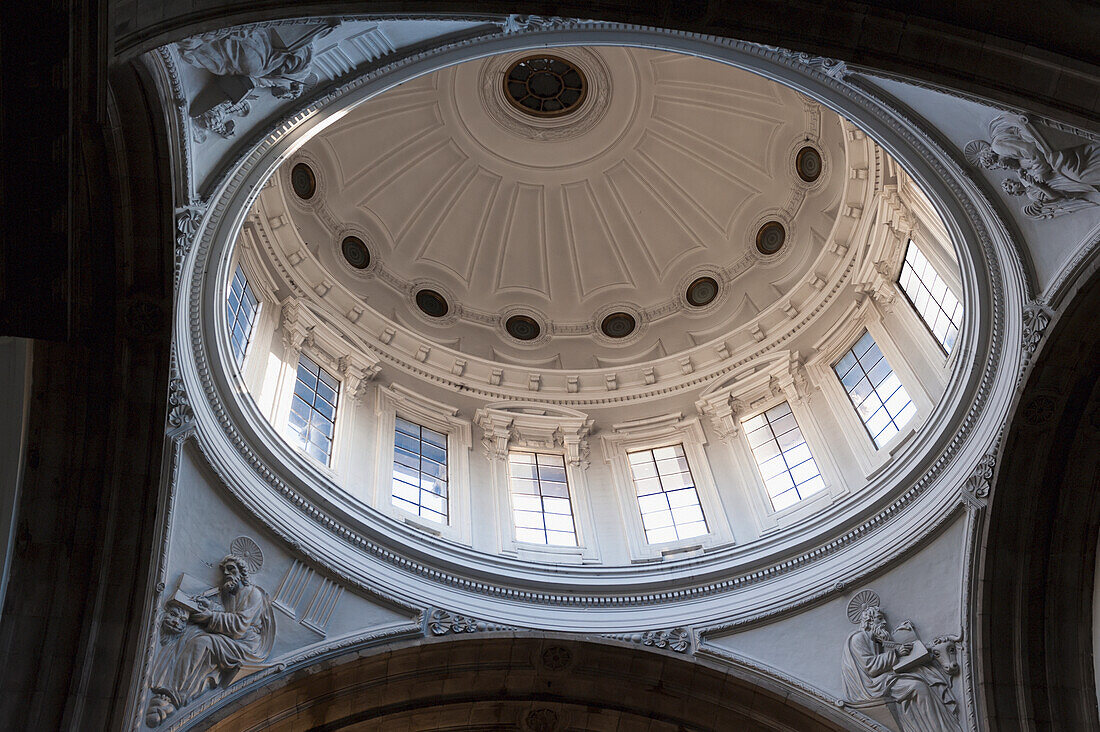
<point x="770" y="238"/>
<point x="702" y="291"/>
<point x="355" y="252"/>
<point x="545" y="86"/>
<point x="808" y="164"/>
<point x="303" y="181"/>
<point x="432" y="303"/>
<point x="522" y="327"/>
<point x="618" y="325"/>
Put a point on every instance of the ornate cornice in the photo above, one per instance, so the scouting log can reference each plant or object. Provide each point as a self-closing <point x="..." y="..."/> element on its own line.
<point x="444" y="622"/>
<point x="673" y="639"/>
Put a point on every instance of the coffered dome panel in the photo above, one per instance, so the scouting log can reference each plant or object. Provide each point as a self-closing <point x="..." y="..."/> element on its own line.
<point x="658" y="177"/>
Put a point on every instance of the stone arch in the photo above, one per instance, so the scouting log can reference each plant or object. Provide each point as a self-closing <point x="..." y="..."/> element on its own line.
<point x="535" y="682"/>
<point x="1037" y="569"/>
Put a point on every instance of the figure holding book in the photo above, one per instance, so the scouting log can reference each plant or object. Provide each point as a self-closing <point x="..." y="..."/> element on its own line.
<point x="227" y="627"/>
<point x="878" y="665"/>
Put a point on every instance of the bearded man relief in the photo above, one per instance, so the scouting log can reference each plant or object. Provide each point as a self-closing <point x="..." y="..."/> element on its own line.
<point x="208" y="636"/>
<point x="897" y="670"/>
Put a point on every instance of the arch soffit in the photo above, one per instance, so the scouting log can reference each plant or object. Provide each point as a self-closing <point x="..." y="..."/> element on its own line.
<point x="1037" y="559"/>
<point x="570" y="674"/>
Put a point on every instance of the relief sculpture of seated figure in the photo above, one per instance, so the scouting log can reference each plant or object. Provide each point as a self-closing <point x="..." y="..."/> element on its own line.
<point x="877" y="667"/>
<point x="225" y="629"/>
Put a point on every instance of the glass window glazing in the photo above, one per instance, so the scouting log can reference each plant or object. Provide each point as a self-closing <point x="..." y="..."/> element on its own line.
<point x="788" y="469"/>
<point x="241" y="310"/>
<point x="541" y="509"/>
<point x="930" y="296"/>
<point x="312" y="422"/>
<point x="666" y="494"/>
<point x="420" y="470"/>
<point x="875" y="390"/>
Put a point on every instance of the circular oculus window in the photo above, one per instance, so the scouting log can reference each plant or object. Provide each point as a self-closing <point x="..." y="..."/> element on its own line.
<point x="303" y="181"/>
<point x="355" y="252"/>
<point x="523" y="327"/>
<point x="808" y="164"/>
<point x="545" y="86"/>
<point x="618" y="325"/>
<point x="770" y="238"/>
<point x="431" y="303"/>
<point x="702" y="291"/>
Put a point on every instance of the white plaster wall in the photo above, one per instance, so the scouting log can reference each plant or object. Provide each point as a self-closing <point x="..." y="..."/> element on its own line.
<point x="925" y="588"/>
<point x="205" y="521"/>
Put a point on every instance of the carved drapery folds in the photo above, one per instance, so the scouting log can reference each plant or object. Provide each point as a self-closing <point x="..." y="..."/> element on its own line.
<point x="211" y="635"/>
<point x="243" y="59"/>
<point x="897" y="670"/>
<point x="179" y="406"/>
<point x="1053" y="181"/>
<point x="531" y="23"/>
<point x="536" y="426"/>
<point x="187" y="225"/>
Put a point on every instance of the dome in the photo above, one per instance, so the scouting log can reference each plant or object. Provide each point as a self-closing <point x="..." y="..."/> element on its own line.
<point x="664" y="173"/>
<point x="685" y="318"/>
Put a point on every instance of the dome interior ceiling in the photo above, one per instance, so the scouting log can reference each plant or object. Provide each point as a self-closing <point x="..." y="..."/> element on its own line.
<point x="664" y="174"/>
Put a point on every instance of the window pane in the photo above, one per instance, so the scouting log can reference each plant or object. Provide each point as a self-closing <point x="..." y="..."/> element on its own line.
<point x="687" y="531"/>
<point x="881" y="423"/>
<point x="524" y="502"/>
<point x="785" y="500"/>
<point x="646" y="486"/>
<point x="403" y="425"/>
<point x="672" y="485"/>
<point x="307" y="408"/>
<point x="425" y="466"/>
<point x="432" y="502"/>
<point x="528" y="519"/>
<point x="240" y="314"/>
<point x="786" y="459"/>
<point x="553" y="473"/>
<point x="434" y="469"/>
<point x="649" y="504"/>
<point x="930" y="296"/>
<point x="432" y="437"/>
<point x="542" y="511"/>
<point x="432" y="452"/>
<point x="561" y="538"/>
<point x="559" y="522"/>
<point x="659" y="536"/>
